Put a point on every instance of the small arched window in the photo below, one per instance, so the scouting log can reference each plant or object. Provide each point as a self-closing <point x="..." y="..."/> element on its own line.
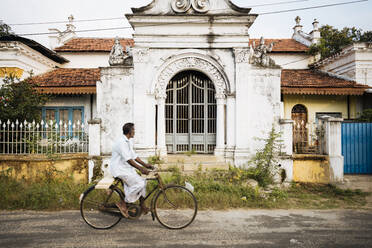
<point x="299" y="114"/>
<point x="299" y="108"/>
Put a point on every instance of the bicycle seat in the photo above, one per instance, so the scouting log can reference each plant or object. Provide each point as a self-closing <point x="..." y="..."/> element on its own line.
<point x="104" y="183"/>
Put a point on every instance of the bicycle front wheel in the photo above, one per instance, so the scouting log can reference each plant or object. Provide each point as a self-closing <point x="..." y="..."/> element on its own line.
<point x="175" y="207"/>
<point x="98" y="209"/>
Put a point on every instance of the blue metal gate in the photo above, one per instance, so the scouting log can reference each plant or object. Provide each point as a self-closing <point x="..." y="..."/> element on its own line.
<point x="357" y="148"/>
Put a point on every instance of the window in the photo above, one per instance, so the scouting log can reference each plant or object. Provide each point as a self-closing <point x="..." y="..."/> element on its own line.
<point x="64" y="114"/>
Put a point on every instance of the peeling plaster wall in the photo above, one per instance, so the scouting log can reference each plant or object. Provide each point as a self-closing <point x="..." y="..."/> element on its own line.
<point x="257" y="108"/>
<point x="114" y="103"/>
<point x="34" y="166"/>
<point x="311" y="169"/>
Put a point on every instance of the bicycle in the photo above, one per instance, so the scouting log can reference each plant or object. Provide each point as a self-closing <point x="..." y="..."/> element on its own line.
<point x="174" y="206"/>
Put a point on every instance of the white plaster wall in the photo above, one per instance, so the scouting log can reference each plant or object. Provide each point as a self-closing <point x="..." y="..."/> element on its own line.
<point x="114" y="103"/>
<point x="257" y="108"/>
<point x="291" y="60"/>
<point x="86" y="59"/>
<point x="264" y="90"/>
<point x="75" y="101"/>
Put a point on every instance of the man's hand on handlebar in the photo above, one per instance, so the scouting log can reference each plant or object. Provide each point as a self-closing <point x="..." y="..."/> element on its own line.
<point x="149" y="166"/>
<point x="144" y="171"/>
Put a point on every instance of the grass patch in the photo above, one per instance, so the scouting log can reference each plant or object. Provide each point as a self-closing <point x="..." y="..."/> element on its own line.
<point x="49" y="192"/>
<point x="213" y="189"/>
<point x="323" y="196"/>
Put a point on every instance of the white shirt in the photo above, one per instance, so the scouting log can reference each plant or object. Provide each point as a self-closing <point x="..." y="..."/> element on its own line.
<point x="122" y="151"/>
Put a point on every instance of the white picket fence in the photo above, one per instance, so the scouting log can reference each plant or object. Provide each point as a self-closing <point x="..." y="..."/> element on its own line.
<point x="43" y="138"/>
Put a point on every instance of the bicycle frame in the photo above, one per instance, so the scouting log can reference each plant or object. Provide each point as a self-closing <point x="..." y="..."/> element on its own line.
<point x="160" y="186"/>
<point x="108" y="204"/>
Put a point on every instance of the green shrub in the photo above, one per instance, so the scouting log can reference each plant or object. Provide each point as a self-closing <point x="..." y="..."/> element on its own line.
<point x="49" y="192"/>
<point x="264" y="164"/>
<point x="155" y="160"/>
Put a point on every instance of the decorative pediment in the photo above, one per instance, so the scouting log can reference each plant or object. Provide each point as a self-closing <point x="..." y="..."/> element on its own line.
<point x="174" y="7"/>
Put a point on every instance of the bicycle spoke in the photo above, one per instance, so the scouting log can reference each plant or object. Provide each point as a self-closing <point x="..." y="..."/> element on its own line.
<point x="99" y="210"/>
<point x="166" y="198"/>
<point x="93" y="202"/>
<point x="175" y="207"/>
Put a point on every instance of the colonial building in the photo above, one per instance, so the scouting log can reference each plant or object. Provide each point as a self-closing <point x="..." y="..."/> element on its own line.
<point x="191" y="79"/>
<point x="20" y="56"/>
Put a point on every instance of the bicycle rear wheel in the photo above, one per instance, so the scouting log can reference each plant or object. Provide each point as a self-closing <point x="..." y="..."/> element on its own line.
<point x="175" y="207"/>
<point x="98" y="209"/>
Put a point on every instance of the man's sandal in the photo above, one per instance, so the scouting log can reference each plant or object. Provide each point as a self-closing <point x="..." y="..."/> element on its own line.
<point x="122" y="211"/>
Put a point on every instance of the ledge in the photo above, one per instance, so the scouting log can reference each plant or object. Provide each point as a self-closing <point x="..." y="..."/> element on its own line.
<point x="285" y="121"/>
<point x="41" y="157"/>
<point x="309" y="157"/>
<point x="94" y="121"/>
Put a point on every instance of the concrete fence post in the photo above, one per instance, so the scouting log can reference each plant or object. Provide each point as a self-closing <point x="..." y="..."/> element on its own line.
<point x="332" y="147"/>
<point x="286" y="128"/>
<point x="94" y="137"/>
<point x="286" y="161"/>
<point x="94" y="144"/>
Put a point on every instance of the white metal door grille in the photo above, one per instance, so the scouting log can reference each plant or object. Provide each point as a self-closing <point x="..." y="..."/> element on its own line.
<point x="190" y="113"/>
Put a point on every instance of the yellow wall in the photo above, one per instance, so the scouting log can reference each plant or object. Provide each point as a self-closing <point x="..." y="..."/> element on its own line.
<point x="10" y="71"/>
<point x="311" y="169"/>
<point x="319" y="103"/>
<point x="34" y="166"/>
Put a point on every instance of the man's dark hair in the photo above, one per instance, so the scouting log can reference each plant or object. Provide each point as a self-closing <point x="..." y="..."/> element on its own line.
<point x="127" y="128"/>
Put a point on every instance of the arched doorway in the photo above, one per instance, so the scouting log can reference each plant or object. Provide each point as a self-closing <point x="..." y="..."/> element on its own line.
<point x="300" y="133"/>
<point x="190" y="113"/>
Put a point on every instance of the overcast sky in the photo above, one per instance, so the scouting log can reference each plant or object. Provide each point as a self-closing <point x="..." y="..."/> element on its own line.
<point x="270" y="26"/>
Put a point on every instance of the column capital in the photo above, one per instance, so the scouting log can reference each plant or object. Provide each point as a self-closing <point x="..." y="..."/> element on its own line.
<point x="231" y="95"/>
<point x="220" y="96"/>
<point x="140" y="55"/>
<point x="161" y="96"/>
<point x="241" y="55"/>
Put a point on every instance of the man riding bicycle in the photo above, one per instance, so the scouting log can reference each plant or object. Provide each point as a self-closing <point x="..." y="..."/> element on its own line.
<point x="123" y="165"/>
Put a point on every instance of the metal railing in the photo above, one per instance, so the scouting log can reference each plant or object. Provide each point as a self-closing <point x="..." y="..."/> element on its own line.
<point x="42" y="138"/>
<point x="308" y="138"/>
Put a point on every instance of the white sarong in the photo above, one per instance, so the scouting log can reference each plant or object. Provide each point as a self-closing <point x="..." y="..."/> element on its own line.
<point x="134" y="186"/>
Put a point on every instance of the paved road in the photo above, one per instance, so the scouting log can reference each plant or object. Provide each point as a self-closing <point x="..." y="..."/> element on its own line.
<point x="237" y="228"/>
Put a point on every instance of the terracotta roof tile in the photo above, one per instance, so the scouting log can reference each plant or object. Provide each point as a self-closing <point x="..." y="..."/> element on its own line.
<point x="308" y="81"/>
<point x="293" y="81"/>
<point x="67" y="90"/>
<point x="92" y="45"/>
<point x="283" y="45"/>
<point x="105" y="45"/>
<point x="68" y="78"/>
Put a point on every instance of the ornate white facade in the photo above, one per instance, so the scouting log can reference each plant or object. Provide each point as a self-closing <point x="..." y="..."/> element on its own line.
<point x="208" y="37"/>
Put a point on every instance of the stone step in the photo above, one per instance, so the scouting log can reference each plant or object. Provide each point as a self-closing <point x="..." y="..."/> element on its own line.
<point x="193" y="159"/>
<point x="194" y="167"/>
<point x="193" y="162"/>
